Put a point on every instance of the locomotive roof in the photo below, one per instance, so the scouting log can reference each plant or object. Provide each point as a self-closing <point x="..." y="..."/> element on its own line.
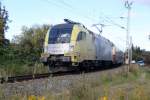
<point x="63" y="26"/>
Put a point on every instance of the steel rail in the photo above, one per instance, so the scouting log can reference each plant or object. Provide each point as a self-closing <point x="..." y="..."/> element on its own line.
<point x="21" y="78"/>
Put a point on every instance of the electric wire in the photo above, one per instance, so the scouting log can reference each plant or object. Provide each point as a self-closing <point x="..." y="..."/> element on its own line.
<point x="67" y="7"/>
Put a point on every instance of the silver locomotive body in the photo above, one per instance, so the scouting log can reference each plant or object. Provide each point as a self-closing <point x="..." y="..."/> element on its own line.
<point x="74" y="45"/>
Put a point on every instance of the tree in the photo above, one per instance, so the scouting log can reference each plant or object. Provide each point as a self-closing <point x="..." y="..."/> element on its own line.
<point x="30" y="42"/>
<point x="146" y="56"/>
<point x="137" y="53"/>
<point x="3" y="24"/>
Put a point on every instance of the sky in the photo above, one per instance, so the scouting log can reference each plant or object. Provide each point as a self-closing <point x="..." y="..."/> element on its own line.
<point x="111" y="13"/>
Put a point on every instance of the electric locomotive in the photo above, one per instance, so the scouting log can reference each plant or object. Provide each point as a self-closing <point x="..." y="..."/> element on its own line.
<point x="71" y="44"/>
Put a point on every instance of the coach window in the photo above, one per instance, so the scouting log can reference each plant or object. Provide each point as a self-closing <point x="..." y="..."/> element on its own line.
<point x="81" y="36"/>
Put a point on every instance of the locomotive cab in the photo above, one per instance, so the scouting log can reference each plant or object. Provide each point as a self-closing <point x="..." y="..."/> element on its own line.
<point x="57" y="45"/>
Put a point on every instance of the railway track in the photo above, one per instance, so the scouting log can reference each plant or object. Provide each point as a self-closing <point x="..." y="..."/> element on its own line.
<point x="44" y="75"/>
<point x="34" y="76"/>
<point x="22" y="78"/>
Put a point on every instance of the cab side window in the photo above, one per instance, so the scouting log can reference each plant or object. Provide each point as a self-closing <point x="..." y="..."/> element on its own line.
<point x="81" y="36"/>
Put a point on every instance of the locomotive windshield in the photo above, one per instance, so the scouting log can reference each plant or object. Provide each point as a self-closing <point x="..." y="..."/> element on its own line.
<point x="60" y="35"/>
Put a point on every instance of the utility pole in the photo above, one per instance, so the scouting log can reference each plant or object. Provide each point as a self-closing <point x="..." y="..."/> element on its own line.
<point x="128" y="7"/>
<point x="130" y="48"/>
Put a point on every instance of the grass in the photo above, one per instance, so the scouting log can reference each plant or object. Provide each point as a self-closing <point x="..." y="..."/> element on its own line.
<point x="121" y="86"/>
<point x="14" y="69"/>
<point x="115" y="87"/>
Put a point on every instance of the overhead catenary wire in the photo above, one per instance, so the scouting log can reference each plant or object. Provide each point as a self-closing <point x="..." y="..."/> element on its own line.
<point x="73" y="10"/>
<point x="112" y="22"/>
<point x="67" y="7"/>
<point x="64" y="3"/>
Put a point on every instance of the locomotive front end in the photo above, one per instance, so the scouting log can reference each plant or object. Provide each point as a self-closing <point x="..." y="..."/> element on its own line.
<point x="57" y="47"/>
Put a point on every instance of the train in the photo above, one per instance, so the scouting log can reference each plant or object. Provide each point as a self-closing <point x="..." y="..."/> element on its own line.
<point x="71" y="44"/>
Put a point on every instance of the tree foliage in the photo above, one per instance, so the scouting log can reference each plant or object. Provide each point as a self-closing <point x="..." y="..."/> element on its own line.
<point x="3" y="24"/>
<point x="30" y="42"/>
<point x="146" y="56"/>
<point x="137" y="53"/>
